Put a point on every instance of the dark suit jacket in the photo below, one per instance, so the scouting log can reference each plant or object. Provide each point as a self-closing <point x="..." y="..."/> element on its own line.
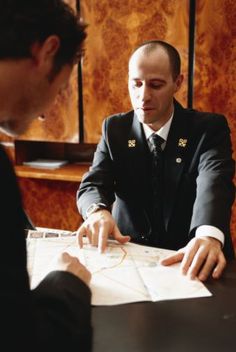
<point x="197" y="176"/>
<point x="54" y="314"/>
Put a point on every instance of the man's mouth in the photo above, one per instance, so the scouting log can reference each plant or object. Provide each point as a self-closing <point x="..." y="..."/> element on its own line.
<point x="146" y="108"/>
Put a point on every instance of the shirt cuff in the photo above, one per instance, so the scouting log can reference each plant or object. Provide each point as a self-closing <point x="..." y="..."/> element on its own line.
<point x="210" y="231"/>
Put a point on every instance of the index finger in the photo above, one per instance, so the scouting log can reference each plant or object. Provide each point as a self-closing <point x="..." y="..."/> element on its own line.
<point x="198" y="260"/>
<point x="188" y="258"/>
<point x="102" y="239"/>
<point x="172" y="259"/>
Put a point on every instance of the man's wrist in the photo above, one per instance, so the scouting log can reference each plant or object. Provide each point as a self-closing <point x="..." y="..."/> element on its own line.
<point x="210" y="231"/>
<point x="94" y="207"/>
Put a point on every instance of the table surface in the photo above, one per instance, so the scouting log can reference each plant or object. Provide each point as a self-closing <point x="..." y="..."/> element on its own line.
<point x="187" y="325"/>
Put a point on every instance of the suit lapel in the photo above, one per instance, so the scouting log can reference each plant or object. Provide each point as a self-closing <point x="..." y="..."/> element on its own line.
<point x="175" y="157"/>
<point x="137" y="157"/>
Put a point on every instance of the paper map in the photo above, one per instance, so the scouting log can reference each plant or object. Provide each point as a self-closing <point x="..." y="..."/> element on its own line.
<point x="123" y="274"/>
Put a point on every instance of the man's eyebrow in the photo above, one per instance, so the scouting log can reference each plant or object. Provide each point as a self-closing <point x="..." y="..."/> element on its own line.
<point x="151" y="79"/>
<point x="157" y="80"/>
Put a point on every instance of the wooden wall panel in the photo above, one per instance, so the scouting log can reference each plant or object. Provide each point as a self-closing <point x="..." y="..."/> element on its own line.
<point x="215" y="64"/>
<point x="51" y="203"/>
<point x="115" y="29"/>
<point x="61" y="120"/>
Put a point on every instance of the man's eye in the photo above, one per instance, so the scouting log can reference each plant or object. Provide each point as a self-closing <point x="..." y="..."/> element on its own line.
<point x="156" y="86"/>
<point x="136" y="84"/>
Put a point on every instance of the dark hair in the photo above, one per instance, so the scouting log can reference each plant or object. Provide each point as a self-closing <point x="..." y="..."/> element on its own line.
<point x="173" y="54"/>
<point x="24" y="22"/>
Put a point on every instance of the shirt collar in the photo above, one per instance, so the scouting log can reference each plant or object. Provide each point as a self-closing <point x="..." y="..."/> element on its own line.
<point x="162" y="132"/>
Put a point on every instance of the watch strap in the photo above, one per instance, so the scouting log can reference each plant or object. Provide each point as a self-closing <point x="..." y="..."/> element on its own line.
<point x="95" y="207"/>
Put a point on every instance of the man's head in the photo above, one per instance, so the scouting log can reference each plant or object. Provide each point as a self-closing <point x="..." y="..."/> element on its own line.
<point x="40" y="41"/>
<point x="154" y="78"/>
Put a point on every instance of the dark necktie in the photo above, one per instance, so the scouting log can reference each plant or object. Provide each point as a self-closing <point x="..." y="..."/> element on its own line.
<point x="156" y="177"/>
<point x="156" y="142"/>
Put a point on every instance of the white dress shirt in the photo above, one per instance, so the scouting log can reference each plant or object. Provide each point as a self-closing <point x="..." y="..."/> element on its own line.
<point x="203" y="230"/>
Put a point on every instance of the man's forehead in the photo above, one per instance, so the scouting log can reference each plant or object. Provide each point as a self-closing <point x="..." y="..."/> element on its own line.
<point x="143" y="53"/>
<point x="149" y="63"/>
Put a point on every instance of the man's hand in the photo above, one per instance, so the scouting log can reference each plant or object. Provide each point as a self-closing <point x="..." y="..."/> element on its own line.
<point x="200" y="258"/>
<point x="66" y="262"/>
<point x="98" y="227"/>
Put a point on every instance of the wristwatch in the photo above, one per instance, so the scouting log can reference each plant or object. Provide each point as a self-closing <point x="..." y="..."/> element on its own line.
<point x="95" y="207"/>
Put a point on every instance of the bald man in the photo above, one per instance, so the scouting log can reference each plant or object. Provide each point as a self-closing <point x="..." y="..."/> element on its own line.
<point x="191" y="211"/>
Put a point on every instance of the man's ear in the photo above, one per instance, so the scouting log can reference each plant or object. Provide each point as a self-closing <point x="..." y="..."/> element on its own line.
<point x="178" y="82"/>
<point x="44" y="53"/>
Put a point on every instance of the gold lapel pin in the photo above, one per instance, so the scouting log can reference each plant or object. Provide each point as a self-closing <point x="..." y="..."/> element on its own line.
<point x="182" y="142"/>
<point x="131" y="143"/>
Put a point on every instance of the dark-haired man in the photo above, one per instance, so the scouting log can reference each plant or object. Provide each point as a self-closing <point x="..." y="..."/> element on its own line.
<point x="176" y="195"/>
<point x="40" y="41"/>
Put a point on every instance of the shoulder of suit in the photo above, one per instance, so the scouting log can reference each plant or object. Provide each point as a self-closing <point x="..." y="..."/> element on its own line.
<point x="201" y="116"/>
<point x="202" y="120"/>
<point x="122" y="118"/>
<point x="208" y="117"/>
<point x="198" y="113"/>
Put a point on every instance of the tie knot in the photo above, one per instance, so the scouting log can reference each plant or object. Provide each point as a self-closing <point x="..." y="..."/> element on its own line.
<point x="156" y="141"/>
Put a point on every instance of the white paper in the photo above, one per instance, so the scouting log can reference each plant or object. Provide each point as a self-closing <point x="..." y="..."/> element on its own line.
<point x="45" y="163"/>
<point x="123" y="274"/>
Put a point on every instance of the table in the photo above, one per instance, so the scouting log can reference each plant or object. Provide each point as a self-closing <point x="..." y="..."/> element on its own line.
<point x="190" y="325"/>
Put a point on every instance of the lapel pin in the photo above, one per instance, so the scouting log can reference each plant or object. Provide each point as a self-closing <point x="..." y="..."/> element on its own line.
<point x="182" y="142"/>
<point x="178" y="160"/>
<point x="131" y="143"/>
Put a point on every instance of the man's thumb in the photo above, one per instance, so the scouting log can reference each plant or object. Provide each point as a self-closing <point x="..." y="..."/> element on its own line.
<point x="119" y="237"/>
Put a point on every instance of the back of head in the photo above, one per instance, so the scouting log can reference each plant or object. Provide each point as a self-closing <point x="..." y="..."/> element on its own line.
<point x="24" y="22"/>
<point x="174" y="57"/>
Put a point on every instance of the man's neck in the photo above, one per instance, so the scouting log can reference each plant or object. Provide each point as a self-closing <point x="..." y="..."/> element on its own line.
<point x="163" y="131"/>
<point x="156" y="126"/>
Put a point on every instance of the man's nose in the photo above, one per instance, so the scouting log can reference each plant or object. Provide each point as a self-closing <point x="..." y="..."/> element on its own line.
<point x="145" y="93"/>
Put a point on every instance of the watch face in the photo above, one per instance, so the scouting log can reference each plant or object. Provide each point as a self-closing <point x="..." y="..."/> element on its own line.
<point x="93" y="208"/>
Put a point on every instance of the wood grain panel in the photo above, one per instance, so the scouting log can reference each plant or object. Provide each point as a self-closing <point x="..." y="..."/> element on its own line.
<point x="51" y="203"/>
<point x="61" y="120"/>
<point x="215" y="64"/>
<point x="115" y="29"/>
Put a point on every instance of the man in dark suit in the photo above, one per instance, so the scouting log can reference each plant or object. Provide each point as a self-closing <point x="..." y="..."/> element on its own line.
<point x="185" y="202"/>
<point x="39" y="43"/>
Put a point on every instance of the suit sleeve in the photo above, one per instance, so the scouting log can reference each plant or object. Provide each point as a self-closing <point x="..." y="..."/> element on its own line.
<point x="97" y="185"/>
<point x="63" y="312"/>
<point x="216" y="168"/>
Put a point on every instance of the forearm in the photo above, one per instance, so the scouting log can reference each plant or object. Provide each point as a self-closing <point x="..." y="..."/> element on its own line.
<point x="63" y="313"/>
<point x="97" y="185"/>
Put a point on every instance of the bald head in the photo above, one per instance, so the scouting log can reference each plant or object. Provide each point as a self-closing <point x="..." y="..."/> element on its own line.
<point x="147" y="48"/>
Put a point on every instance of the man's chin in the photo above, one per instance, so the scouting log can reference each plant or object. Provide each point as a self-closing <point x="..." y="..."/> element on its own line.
<point x="145" y="118"/>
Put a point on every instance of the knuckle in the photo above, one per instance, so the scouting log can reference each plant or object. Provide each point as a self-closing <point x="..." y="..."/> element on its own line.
<point x="213" y="256"/>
